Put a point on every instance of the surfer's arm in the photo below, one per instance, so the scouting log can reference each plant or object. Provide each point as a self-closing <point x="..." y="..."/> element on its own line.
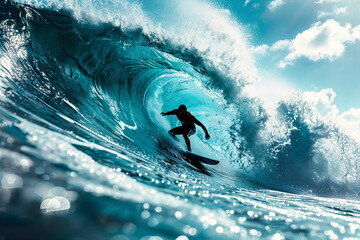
<point x="197" y="122"/>
<point x="173" y="112"/>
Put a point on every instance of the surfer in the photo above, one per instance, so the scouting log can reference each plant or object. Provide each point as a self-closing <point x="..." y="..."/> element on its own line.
<point x="187" y="128"/>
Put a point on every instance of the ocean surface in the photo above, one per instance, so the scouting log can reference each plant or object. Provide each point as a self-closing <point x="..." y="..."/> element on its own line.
<point x="85" y="154"/>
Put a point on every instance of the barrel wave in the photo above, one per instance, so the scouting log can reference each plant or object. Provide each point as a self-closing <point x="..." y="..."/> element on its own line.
<point x="82" y="87"/>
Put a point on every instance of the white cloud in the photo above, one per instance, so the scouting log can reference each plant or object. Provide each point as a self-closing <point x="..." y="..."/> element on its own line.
<point x="281" y="45"/>
<point x="355" y="33"/>
<point x="334" y="12"/>
<point x="341" y="10"/>
<point x="275" y="4"/>
<point x="350" y="122"/>
<point x="262" y="49"/>
<point x="321" y="41"/>
<point x="327" y="1"/>
<point x="322" y="102"/>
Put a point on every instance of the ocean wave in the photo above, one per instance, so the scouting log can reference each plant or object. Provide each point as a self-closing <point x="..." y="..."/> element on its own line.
<point x="105" y="75"/>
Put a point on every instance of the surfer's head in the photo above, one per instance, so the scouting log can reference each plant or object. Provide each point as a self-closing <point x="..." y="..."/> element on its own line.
<point x="182" y="108"/>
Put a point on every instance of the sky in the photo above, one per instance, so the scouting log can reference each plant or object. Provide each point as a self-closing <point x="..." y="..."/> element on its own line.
<point x="309" y="45"/>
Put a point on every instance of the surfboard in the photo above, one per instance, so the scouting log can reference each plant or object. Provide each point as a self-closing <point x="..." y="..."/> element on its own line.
<point x="176" y="151"/>
<point x="193" y="156"/>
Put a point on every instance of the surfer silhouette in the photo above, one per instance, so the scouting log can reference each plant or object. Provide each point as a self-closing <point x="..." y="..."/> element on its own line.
<point x="187" y="127"/>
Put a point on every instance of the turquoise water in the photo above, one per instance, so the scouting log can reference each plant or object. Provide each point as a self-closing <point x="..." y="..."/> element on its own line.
<point x="84" y="151"/>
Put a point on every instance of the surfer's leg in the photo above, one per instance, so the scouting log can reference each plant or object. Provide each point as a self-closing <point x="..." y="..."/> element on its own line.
<point x="187" y="141"/>
<point x="176" y="131"/>
<point x="188" y="131"/>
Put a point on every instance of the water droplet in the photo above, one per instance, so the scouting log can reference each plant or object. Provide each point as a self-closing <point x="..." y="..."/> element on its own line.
<point x="55" y="204"/>
<point x="10" y="181"/>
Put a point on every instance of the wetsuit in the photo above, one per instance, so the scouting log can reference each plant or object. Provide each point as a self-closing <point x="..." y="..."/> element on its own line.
<point x="187" y="127"/>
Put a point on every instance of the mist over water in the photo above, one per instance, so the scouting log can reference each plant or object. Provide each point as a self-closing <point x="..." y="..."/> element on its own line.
<point x="82" y="85"/>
